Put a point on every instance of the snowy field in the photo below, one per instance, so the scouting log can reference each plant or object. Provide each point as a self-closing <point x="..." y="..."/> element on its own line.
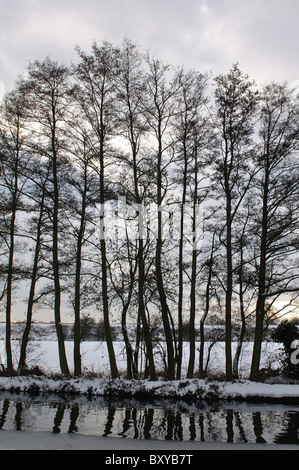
<point x="95" y="359"/>
<point x="43" y="352"/>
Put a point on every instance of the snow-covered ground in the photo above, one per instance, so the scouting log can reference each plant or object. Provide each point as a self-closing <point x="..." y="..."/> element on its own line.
<point x="194" y="390"/>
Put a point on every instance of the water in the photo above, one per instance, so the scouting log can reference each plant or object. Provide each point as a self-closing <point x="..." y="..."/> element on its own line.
<point x="161" y="420"/>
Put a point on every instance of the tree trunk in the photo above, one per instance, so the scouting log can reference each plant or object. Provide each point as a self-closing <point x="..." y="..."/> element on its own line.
<point x="159" y="275"/>
<point x="165" y="314"/>
<point x="192" y="318"/>
<point x="260" y="304"/>
<point x="26" y="333"/>
<point x="160" y="286"/>
<point x="142" y="313"/>
<point x="258" y="339"/>
<point x="193" y="283"/>
<point x="107" y="327"/>
<point x="131" y="371"/>
<point x="228" y="294"/>
<point x="243" y="325"/>
<point x="181" y="272"/>
<point x="9" y="362"/>
<point x="207" y="308"/>
<point x="57" y="290"/>
<point x="77" y="303"/>
<point x="105" y="298"/>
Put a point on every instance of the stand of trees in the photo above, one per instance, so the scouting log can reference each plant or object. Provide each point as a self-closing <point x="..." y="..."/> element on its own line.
<point x="129" y="186"/>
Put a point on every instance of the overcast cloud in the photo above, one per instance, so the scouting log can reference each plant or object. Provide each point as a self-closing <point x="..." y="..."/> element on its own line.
<point x="209" y="35"/>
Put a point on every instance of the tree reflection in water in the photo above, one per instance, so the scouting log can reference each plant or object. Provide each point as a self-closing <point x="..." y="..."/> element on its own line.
<point x="168" y="422"/>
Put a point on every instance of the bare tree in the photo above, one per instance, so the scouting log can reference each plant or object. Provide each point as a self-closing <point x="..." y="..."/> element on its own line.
<point x="207" y="300"/>
<point x="37" y="192"/>
<point x="96" y="94"/>
<point x="278" y="187"/>
<point x="84" y="186"/>
<point x="14" y="159"/>
<point x="133" y="128"/>
<point x="47" y="87"/>
<point x="244" y="272"/>
<point x="159" y="109"/>
<point x="235" y="109"/>
<point x="191" y="130"/>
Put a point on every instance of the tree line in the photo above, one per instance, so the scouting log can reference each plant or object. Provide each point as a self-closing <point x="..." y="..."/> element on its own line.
<point x="145" y="191"/>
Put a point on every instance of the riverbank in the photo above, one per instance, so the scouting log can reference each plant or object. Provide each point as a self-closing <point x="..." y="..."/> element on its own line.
<point x="191" y="390"/>
<point x="43" y="413"/>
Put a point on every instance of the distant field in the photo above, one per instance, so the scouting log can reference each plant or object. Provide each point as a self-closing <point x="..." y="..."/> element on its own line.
<point x="43" y="351"/>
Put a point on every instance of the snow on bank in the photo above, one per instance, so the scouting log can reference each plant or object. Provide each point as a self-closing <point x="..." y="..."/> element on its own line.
<point x="191" y="390"/>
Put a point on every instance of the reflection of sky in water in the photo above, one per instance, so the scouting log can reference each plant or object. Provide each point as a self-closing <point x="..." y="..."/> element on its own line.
<point x="176" y="421"/>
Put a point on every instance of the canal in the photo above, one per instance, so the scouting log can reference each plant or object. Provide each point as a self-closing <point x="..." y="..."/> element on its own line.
<point x="161" y="420"/>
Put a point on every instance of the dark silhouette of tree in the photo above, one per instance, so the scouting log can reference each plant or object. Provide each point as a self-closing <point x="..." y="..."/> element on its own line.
<point x="234" y="120"/>
<point x="96" y="94"/>
<point x="13" y="160"/>
<point x="277" y="218"/>
<point x="48" y="88"/>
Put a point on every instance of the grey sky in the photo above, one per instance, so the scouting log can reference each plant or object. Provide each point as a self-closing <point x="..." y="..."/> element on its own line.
<point x="209" y="35"/>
